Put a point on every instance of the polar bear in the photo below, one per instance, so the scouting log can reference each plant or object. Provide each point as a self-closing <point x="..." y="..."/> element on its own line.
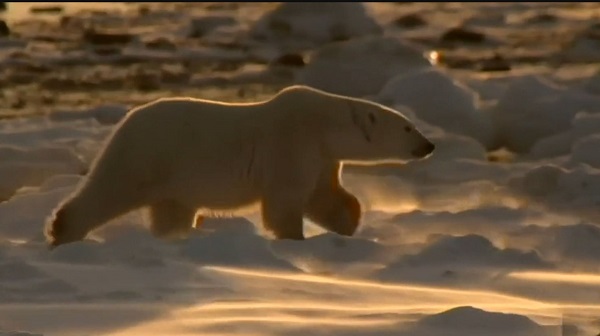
<point x="187" y="158"/>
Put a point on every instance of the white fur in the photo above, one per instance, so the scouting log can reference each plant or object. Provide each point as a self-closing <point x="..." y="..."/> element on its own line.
<point x="179" y="155"/>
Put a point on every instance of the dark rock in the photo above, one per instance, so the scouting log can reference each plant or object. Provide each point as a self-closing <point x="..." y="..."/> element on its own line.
<point x="161" y="43"/>
<point x="65" y="21"/>
<point x="143" y="10"/>
<point x="341" y="21"/>
<point x="203" y="25"/>
<point x="453" y="61"/>
<point x="410" y="21"/>
<point x="122" y="295"/>
<point x="144" y="80"/>
<point x="4" y="30"/>
<point x="174" y="74"/>
<point x="46" y="9"/>
<point x="95" y="37"/>
<point x="20" y="77"/>
<point x="225" y="67"/>
<point x="290" y="59"/>
<point x="593" y="31"/>
<point x="58" y="83"/>
<point x="18" y="103"/>
<point x="495" y="63"/>
<point x="279" y="26"/>
<point x="107" y="51"/>
<point x="542" y="18"/>
<point x="459" y="34"/>
<point x="51" y="38"/>
<point x="338" y="33"/>
<point x="47" y="99"/>
<point x="222" y="6"/>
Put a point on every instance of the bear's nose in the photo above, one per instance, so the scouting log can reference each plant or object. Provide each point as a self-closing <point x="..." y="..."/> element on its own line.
<point x="424" y="151"/>
<point x="430" y="148"/>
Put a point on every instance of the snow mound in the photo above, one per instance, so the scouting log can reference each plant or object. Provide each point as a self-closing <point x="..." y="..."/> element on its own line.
<point x="17" y="271"/>
<point x="31" y="167"/>
<point x="584" y="124"/>
<point x="204" y="25"/>
<point x="574" y="192"/>
<point x="457" y="158"/>
<point x="60" y="181"/>
<point x="481" y="221"/>
<point x="40" y="134"/>
<point x="538" y="181"/>
<point x="549" y="111"/>
<point x="134" y="246"/>
<point x="232" y="242"/>
<point x="83" y="252"/>
<point x="488" y="89"/>
<point x="125" y="243"/>
<point x="463" y="252"/>
<point x="473" y="320"/>
<point x="23" y="216"/>
<point x="104" y="114"/>
<point x="308" y="24"/>
<point x="450" y="147"/>
<point x="586" y="150"/>
<point x="579" y="244"/>
<point x="331" y="253"/>
<point x="361" y="67"/>
<point x="451" y="105"/>
<point x="592" y="84"/>
<point x="17" y="333"/>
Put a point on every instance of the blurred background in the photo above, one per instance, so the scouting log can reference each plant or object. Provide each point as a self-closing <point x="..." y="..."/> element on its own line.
<point x="502" y="218"/>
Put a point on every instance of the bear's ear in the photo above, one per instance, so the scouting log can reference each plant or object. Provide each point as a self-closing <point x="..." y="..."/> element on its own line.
<point x="359" y="121"/>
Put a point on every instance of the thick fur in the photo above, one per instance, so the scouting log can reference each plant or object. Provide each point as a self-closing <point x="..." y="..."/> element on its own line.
<point x="177" y="156"/>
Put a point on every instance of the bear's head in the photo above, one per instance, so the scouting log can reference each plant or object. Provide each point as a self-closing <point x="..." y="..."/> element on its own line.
<point x="367" y="132"/>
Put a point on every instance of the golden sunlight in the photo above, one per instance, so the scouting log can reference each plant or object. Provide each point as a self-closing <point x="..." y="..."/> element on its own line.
<point x="581" y="278"/>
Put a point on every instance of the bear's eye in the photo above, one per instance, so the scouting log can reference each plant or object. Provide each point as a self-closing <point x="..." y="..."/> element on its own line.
<point x="408" y="129"/>
<point x="372" y="117"/>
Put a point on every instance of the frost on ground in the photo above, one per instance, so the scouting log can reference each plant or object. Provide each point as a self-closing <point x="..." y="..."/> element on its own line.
<point x="495" y="234"/>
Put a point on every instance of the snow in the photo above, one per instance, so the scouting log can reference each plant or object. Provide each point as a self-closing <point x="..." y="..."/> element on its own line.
<point x="361" y="67"/>
<point x="495" y="234"/>
<point x="451" y="105"/>
<point x="315" y="23"/>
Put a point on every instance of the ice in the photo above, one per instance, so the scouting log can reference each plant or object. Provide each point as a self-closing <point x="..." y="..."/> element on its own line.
<point x="495" y="234"/>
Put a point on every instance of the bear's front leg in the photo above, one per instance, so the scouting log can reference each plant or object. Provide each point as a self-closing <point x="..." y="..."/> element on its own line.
<point x="282" y="216"/>
<point x="331" y="206"/>
<point x="294" y="164"/>
<point x="284" y="197"/>
<point x="170" y="219"/>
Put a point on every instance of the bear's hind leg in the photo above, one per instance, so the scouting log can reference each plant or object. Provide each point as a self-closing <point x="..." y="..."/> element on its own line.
<point x="171" y="220"/>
